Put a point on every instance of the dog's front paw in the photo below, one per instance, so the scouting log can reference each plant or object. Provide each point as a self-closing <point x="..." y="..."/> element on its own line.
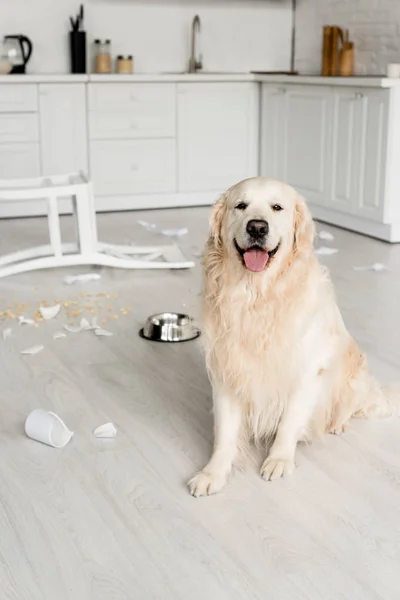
<point x="273" y="468"/>
<point x="206" y="483"/>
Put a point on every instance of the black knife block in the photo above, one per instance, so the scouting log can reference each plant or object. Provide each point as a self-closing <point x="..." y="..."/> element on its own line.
<point x="77" y="45"/>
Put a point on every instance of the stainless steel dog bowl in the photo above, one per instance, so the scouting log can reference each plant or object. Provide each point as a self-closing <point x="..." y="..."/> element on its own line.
<point x="169" y="327"/>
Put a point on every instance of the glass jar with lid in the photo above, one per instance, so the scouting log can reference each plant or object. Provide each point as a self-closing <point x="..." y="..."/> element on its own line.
<point x="102" y="57"/>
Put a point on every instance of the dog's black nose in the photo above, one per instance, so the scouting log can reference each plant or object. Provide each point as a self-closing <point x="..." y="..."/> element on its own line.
<point x="257" y="228"/>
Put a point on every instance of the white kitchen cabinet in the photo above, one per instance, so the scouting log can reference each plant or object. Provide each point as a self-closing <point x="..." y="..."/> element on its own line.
<point x="296" y="136"/>
<point x="127" y="111"/>
<point x="63" y="128"/>
<point x="217" y="135"/>
<point x="126" y="167"/>
<point x="349" y="116"/>
<point x="17" y="161"/>
<point x="373" y="151"/>
<point x="359" y="152"/>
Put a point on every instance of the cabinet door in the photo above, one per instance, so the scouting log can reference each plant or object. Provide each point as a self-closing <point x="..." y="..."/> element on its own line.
<point x="217" y="135"/>
<point x="371" y="196"/>
<point x="18" y="161"/>
<point x="127" y="167"/>
<point x="63" y="131"/>
<point x="271" y="159"/>
<point x="347" y="143"/>
<point x="306" y="132"/>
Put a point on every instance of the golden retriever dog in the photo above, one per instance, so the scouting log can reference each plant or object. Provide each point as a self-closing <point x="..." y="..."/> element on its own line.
<point x="282" y="365"/>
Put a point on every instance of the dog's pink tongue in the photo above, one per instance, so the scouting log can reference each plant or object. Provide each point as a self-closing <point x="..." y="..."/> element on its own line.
<point x="255" y="260"/>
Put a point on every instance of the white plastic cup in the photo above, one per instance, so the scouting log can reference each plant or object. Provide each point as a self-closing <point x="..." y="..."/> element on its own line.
<point x="47" y="427"/>
<point x="393" y="70"/>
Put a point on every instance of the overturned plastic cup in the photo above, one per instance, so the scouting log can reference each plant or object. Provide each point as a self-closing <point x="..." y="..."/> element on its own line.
<point x="47" y="427"/>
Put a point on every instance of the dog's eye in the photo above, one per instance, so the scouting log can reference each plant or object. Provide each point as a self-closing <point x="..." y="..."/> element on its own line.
<point x="277" y="207"/>
<point x="241" y="206"/>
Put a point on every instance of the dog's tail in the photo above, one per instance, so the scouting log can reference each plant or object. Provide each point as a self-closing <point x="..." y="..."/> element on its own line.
<point x="385" y="402"/>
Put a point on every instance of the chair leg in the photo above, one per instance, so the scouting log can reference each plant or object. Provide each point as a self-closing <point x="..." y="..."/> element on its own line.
<point x="37" y="252"/>
<point x="54" y="226"/>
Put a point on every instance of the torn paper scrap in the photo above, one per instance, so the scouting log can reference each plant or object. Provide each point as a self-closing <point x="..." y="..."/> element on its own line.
<point x="102" y="332"/>
<point x="108" y="430"/>
<point x="175" y="232"/>
<point x="23" y="321"/>
<point x="69" y="279"/>
<point x="33" y="350"/>
<point x="374" y="267"/>
<point x="49" y="312"/>
<point x="58" y="335"/>
<point x="73" y="328"/>
<point x="325" y="251"/>
<point x="146" y="225"/>
<point x="6" y="333"/>
<point x="325" y="235"/>
<point x="47" y="427"/>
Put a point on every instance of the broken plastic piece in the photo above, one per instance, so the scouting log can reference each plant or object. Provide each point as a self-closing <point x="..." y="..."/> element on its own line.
<point x="6" y="333"/>
<point x="69" y="279"/>
<point x="49" y="312"/>
<point x="325" y="235"/>
<point x="175" y="232"/>
<point x="33" y="350"/>
<point x="73" y="328"/>
<point x="325" y="251"/>
<point x="146" y="225"/>
<point x="47" y="427"/>
<point x="103" y="332"/>
<point x="374" y="267"/>
<point x="58" y="335"/>
<point x="85" y="325"/>
<point x="108" y="430"/>
<point x="23" y="321"/>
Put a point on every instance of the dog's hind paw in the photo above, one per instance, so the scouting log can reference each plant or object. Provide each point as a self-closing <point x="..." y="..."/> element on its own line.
<point x="206" y="483"/>
<point x="274" y="468"/>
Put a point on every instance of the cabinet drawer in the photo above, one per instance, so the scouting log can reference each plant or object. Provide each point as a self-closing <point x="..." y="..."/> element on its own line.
<point x="18" y="127"/>
<point x="18" y="98"/>
<point x="128" y="96"/>
<point x="132" y="167"/>
<point x="19" y="160"/>
<point x="150" y="122"/>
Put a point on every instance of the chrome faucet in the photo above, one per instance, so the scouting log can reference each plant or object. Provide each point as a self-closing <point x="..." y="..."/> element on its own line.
<point x="194" y="63"/>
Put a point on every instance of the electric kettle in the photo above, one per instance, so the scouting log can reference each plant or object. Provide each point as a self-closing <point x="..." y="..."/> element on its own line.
<point x="17" y="49"/>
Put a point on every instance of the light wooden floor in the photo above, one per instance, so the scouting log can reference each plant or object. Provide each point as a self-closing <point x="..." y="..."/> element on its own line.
<point x="112" y="520"/>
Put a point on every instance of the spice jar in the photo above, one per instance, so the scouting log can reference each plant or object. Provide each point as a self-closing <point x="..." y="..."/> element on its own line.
<point x="124" y="64"/>
<point x="102" y="56"/>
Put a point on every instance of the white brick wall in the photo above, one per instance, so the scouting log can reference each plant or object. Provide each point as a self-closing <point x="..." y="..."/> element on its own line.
<point x="374" y="27"/>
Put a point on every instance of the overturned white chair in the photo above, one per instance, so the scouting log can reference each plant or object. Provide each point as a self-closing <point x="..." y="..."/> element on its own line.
<point x="87" y="250"/>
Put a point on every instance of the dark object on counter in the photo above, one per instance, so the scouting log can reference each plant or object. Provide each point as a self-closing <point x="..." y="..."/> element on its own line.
<point x="77" y="23"/>
<point x="18" y="50"/>
<point x="77" y="44"/>
<point x="275" y="72"/>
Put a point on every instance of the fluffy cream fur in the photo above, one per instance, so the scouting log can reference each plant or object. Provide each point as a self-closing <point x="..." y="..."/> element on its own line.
<point x="280" y="360"/>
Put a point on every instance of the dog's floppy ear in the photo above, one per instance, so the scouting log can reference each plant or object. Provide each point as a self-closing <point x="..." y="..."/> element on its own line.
<point x="304" y="228"/>
<point x="216" y="219"/>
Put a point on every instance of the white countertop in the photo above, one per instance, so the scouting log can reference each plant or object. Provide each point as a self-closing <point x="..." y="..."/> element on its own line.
<point x="378" y="82"/>
<point x="44" y="78"/>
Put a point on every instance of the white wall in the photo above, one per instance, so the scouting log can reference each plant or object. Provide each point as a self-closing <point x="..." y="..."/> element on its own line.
<point x="374" y="26"/>
<point x="237" y="35"/>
